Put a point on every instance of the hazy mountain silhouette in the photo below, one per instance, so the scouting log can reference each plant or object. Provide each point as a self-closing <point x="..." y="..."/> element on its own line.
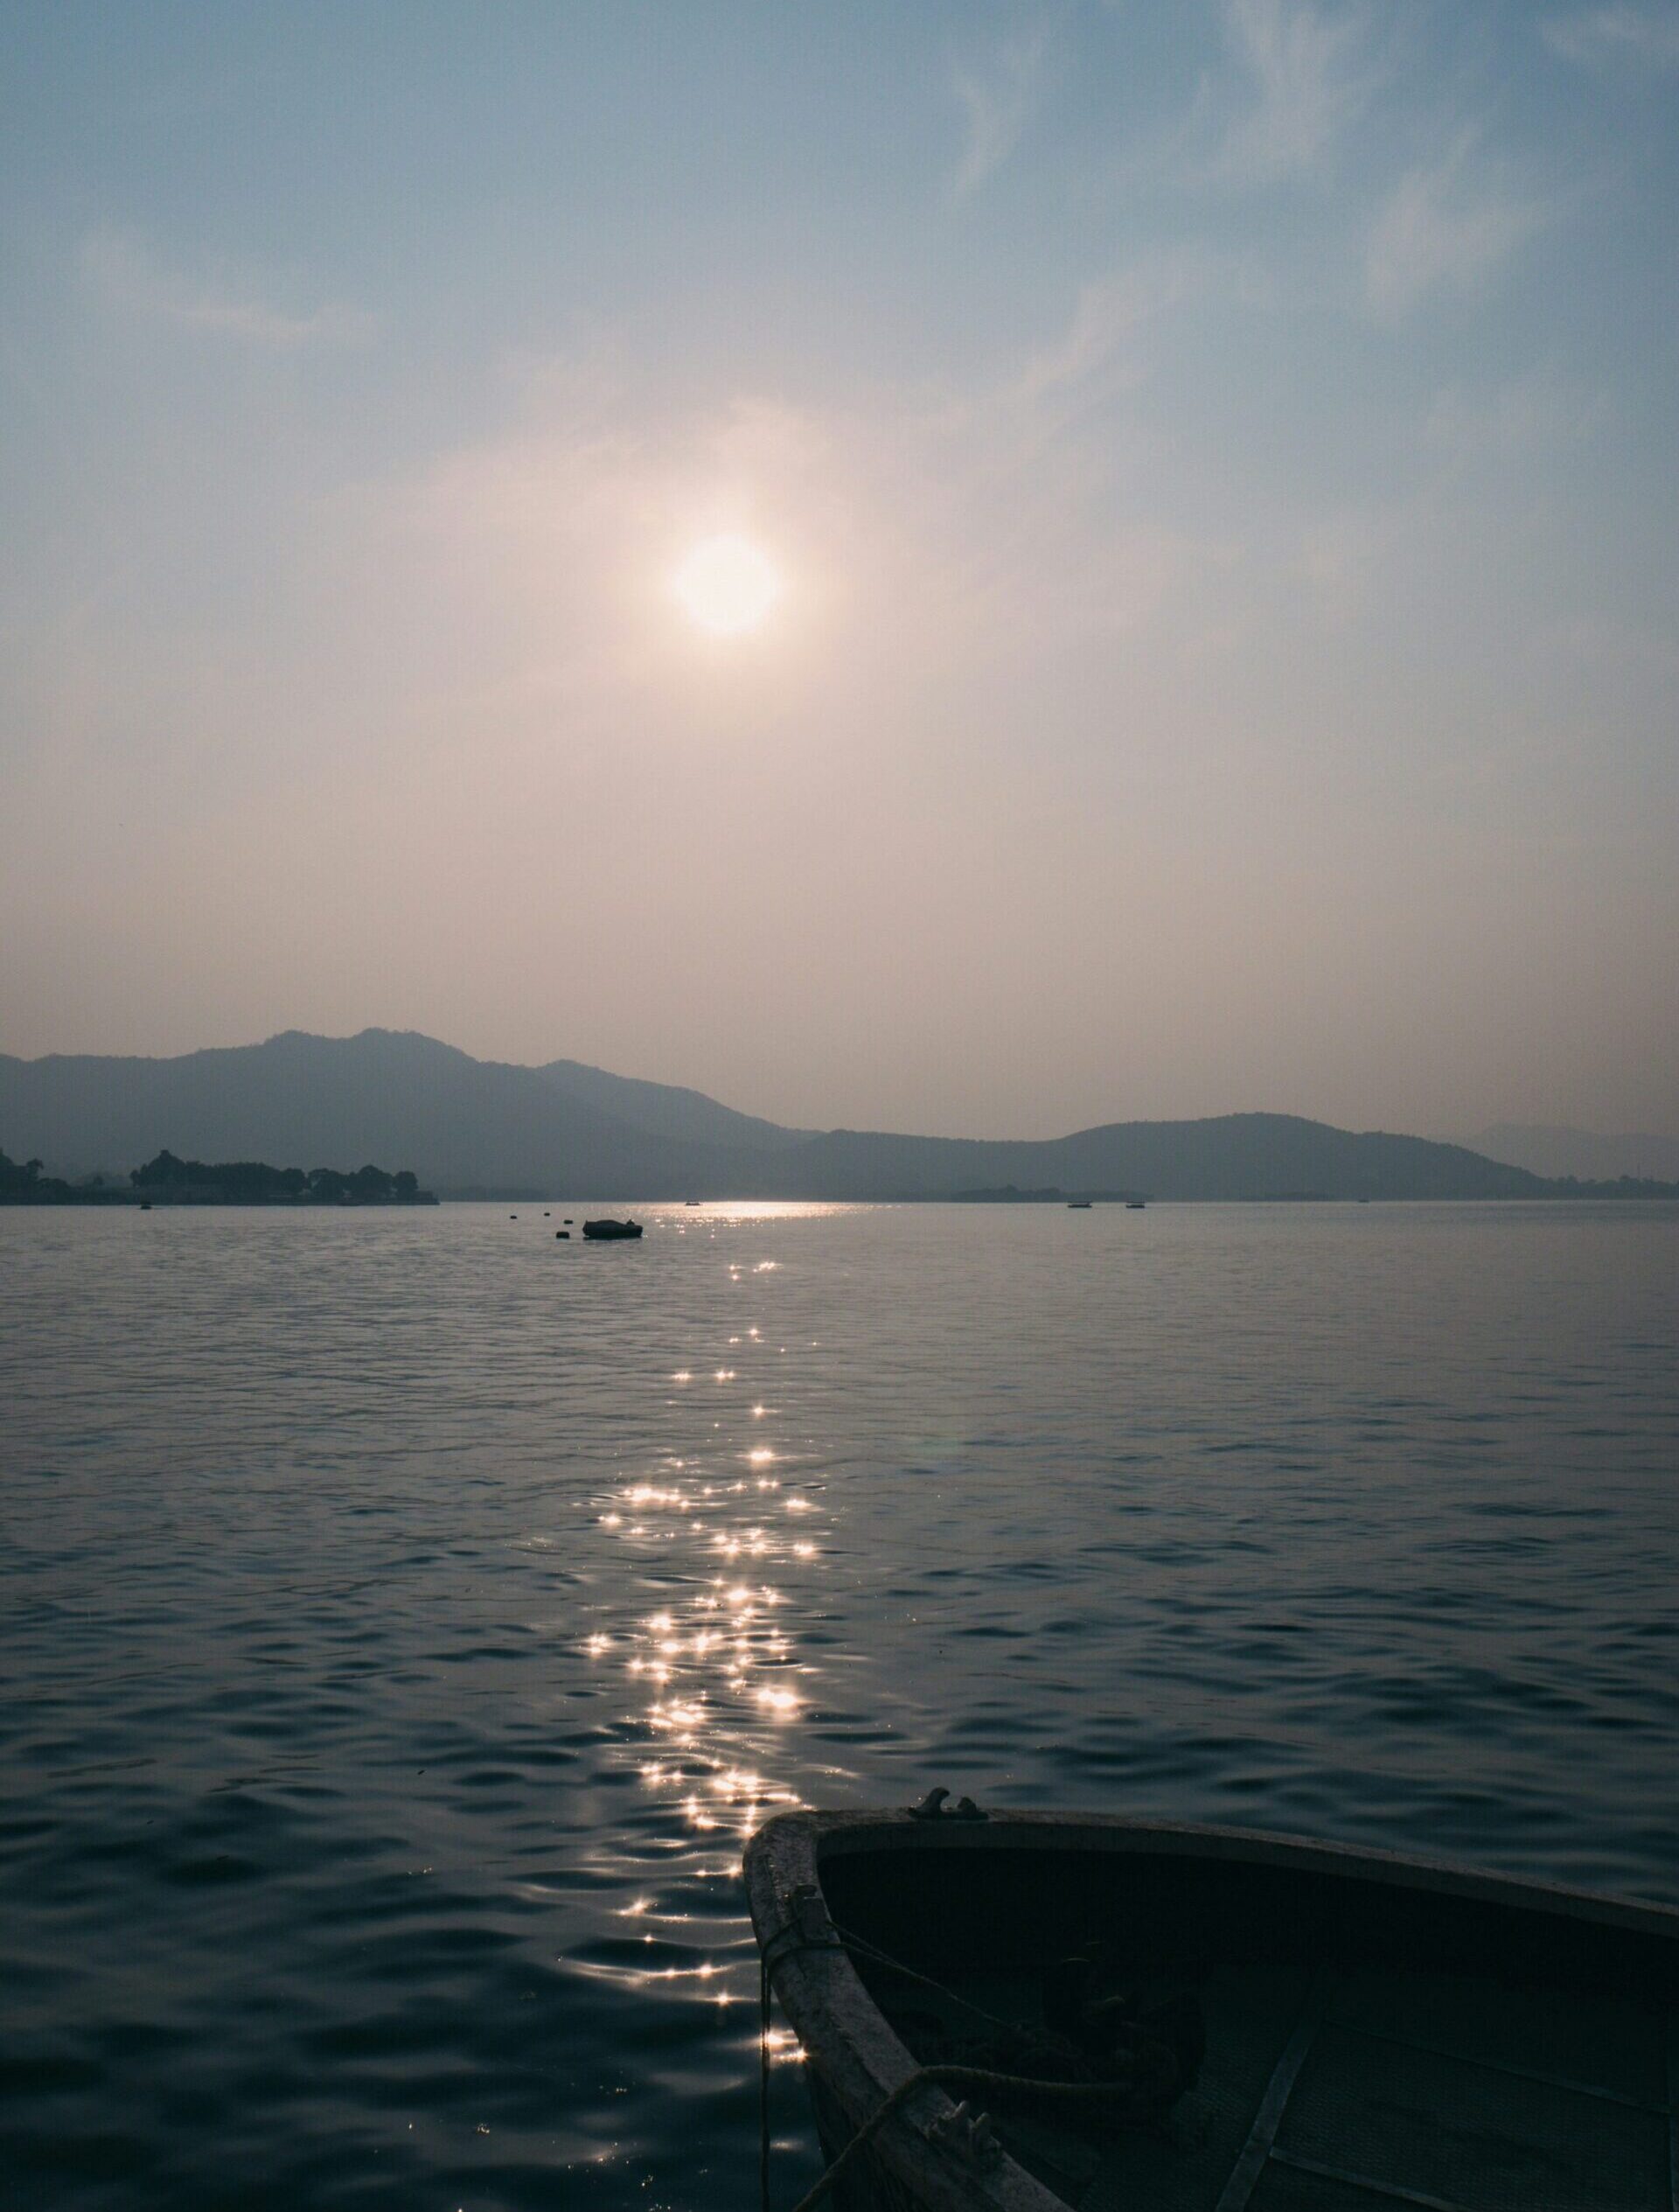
<point x="1546" y="1151"/>
<point x="467" y="1125"/>
<point x="474" y="1124"/>
<point x="666" y="1110"/>
<point x="1235" y="1155"/>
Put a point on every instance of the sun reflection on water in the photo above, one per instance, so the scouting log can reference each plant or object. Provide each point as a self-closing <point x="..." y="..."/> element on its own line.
<point x="715" y="1664"/>
<point x="709" y="1670"/>
<point x="702" y="1657"/>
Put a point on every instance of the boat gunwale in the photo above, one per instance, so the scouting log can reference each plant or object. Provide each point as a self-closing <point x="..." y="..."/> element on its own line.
<point x="852" y="2047"/>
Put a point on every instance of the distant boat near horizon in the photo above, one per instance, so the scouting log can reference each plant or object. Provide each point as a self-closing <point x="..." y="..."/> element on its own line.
<point x="606" y="1231"/>
<point x="1078" y="1205"/>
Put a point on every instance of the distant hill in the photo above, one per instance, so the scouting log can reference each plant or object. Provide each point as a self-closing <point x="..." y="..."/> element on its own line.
<point x="567" y="1129"/>
<point x="663" y="1110"/>
<point x="463" y="1124"/>
<point x="1235" y="1155"/>
<point x="1545" y="1151"/>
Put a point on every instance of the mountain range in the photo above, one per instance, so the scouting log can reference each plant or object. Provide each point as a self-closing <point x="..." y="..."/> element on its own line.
<point x="486" y="1127"/>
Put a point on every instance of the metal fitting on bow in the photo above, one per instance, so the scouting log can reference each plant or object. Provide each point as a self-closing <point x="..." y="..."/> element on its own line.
<point x="968" y="2133"/>
<point x="932" y="1808"/>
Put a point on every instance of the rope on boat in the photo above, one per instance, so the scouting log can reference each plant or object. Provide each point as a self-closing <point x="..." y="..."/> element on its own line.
<point x="885" y="1958"/>
<point x="949" y="2077"/>
<point x="764" y="2000"/>
<point x="1104" y="2090"/>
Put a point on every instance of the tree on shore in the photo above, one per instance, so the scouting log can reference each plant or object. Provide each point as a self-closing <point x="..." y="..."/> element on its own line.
<point x="25" y="1179"/>
<point x="254" y="1180"/>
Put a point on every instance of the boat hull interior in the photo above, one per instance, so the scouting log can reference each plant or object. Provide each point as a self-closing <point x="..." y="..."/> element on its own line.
<point x="1375" y="2033"/>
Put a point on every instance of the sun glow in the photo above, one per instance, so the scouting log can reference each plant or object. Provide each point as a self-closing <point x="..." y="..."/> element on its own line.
<point x="727" y="586"/>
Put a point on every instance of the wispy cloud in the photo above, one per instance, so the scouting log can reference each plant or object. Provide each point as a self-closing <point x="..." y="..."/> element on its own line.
<point x="1311" y="83"/>
<point x="123" y="269"/>
<point x="1447" y="225"/>
<point x="1607" y="37"/>
<point x="997" y="97"/>
<point x="1095" y="353"/>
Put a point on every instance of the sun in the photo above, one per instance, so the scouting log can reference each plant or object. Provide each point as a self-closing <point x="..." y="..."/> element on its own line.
<point x="727" y="586"/>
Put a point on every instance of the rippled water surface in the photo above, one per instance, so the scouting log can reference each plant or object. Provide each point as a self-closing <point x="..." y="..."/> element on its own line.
<point x="406" y="1616"/>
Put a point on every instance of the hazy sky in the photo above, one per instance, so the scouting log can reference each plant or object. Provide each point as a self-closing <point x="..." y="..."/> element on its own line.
<point x="1220" y="467"/>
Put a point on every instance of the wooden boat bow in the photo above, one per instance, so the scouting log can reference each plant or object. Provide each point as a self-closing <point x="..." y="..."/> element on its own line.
<point x="1522" y="2032"/>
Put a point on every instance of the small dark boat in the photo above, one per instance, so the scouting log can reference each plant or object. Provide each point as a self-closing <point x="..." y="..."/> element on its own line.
<point x="1039" y="2010"/>
<point x="1078" y="1205"/>
<point x="1135" y="1205"/>
<point x="602" y="1231"/>
<point x="693" y="1201"/>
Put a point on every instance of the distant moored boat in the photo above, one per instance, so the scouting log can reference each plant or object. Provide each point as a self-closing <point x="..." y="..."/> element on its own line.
<point x="604" y="1231"/>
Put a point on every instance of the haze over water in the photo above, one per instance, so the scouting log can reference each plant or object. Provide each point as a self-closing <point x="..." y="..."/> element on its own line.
<point x="406" y="1616"/>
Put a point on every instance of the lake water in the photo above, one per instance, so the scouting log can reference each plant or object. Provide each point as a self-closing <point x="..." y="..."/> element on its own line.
<point x="406" y="1616"/>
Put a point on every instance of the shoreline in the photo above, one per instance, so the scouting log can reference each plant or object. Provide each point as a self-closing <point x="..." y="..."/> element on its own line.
<point x="143" y="1202"/>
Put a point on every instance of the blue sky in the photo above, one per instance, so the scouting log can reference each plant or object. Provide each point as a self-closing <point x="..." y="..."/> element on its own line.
<point x="1220" y="461"/>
